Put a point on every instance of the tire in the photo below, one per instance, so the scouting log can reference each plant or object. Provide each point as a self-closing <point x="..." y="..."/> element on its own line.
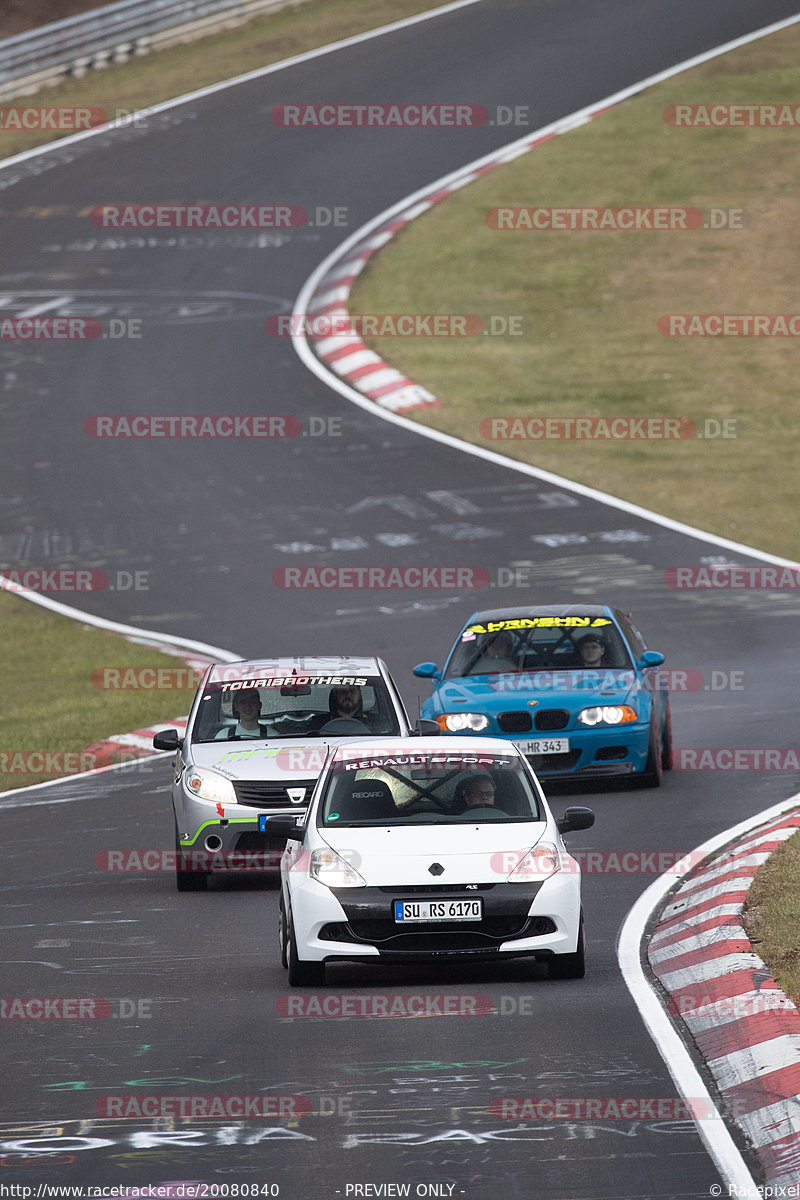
<point x="282" y="936"/>
<point x="653" y="770"/>
<point x="666" y="743"/>
<point x="187" y="881"/>
<point x="570" y="966"/>
<point x="302" y="973"/>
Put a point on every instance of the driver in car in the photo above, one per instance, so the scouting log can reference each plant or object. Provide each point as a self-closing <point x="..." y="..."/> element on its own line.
<point x="592" y="651"/>
<point x="479" y="791"/>
<point x="345" y="702"/>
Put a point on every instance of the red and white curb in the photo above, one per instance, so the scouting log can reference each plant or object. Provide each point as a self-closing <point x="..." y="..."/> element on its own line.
<point x="125" y="747"/>
<point x="344" y="352"/>
<point x="746" y="1029"/>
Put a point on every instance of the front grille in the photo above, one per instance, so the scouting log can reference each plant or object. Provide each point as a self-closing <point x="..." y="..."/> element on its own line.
<point x="251" y="839"/>
<point x="257" y="793"/>
<point x="554" y="762"/>
<point x="438" y="936"/>
<point x="551" y="718"/>
<point x="514" y="722"/>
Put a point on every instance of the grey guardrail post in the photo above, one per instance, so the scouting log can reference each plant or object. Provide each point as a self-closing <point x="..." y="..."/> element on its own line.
<point x="92" y="40"/>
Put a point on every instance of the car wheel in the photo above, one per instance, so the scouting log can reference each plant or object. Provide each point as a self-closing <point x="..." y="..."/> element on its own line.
<point x="303" y="973"/>
<point x="651" y="775"/>
<point x="570" y="966"/>
<point x="666" y="742"/>
<point x="282" y="938"/>
<point x="187" y="881"/>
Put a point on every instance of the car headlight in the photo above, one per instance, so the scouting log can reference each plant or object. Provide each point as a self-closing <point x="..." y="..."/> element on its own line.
<point x="539" y="863"/>
<point x="330" y="868"/>
<point x="458" y="722"/>
<point x="210" y="786"/>
<point x="611" y="714"/>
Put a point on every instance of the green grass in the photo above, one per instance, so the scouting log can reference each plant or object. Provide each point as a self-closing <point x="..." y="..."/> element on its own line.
<point x="51" y="704"/>
<point x="590" y="302"/>
<point x="772" y="915"/>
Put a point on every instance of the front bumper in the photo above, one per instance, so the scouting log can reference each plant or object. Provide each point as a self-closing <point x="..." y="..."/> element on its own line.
<point x="230" y="843"/>
<point x="519" y="920"/>
<point x="593" y="753"/>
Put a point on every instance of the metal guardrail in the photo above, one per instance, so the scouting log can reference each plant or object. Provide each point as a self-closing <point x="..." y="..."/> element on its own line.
<point x="113" y="34"/>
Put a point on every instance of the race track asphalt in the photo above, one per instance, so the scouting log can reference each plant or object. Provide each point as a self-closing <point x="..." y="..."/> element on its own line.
<point x="210" y="521"/>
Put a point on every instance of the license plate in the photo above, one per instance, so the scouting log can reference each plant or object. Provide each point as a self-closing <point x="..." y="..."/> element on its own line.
<point x="546" y="746"/>
<point x="438" y="910"/>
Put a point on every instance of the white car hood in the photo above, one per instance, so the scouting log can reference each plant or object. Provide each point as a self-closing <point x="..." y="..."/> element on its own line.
<point x="283" y="761"/>
<point x="403" y="854"/>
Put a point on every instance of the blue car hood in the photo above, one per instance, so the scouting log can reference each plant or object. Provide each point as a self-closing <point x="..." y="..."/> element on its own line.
<point x="570" y="689"/>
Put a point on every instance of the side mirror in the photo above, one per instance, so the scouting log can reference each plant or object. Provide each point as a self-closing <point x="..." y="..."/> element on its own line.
<point x="281" y="826"/>
<point x="425" y="728"/>
<point x="167" y="739"/>
<point x="575" y="818"/>
<point x="427" y="670"/>
<point x="651" y="658"/>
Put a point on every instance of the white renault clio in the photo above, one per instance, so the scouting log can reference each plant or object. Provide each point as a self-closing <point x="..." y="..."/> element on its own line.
<point x="414" y="851"/>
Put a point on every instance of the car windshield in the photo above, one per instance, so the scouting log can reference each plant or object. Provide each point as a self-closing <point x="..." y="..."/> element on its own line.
<point x="538" y="643"/>
<point x="427" y="788"/>
<point x="301" y="706"/>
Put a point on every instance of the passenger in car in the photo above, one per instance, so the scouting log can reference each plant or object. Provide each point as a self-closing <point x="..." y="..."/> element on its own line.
<point x="246" y="707"/>
<point x="497" y="654"/>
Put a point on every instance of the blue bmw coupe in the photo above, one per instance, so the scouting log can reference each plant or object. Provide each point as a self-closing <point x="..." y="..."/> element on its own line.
<point x="574" y="686"/>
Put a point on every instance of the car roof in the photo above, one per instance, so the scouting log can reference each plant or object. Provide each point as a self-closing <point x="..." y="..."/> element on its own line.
<point x="317" y="664"/>
<point x="540" y="610"/>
